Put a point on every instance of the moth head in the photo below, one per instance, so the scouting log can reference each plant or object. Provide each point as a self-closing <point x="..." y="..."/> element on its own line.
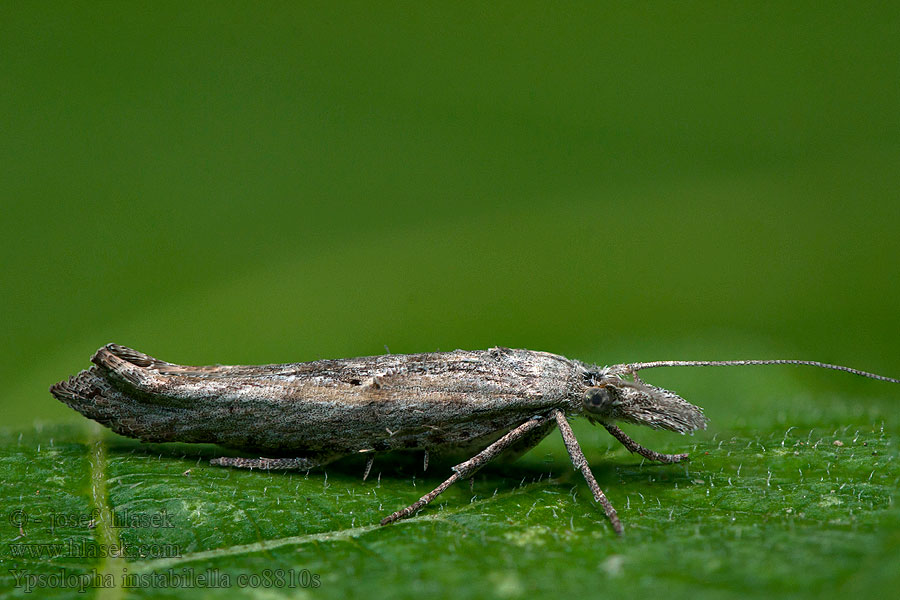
<point x="610" y="397"/>
<point x="616" y="393"/>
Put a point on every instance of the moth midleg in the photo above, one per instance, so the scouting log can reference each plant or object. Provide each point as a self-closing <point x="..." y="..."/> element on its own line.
<point x="581" y="464"/>
<point x="468" y="468"/>
<point x="636" y="448"/>
<point x="303" y="463"/>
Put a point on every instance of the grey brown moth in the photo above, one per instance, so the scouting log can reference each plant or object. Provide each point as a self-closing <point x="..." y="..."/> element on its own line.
<point x="487" y="402"/>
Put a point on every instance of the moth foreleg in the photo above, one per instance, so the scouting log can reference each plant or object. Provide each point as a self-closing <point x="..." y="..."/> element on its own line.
<point x="636" y="448"/>
<point x="468" y="468"/>
<point x="581" y="464"/>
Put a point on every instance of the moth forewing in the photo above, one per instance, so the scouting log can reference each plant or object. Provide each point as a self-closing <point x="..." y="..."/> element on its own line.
<point x="434" y="401"/>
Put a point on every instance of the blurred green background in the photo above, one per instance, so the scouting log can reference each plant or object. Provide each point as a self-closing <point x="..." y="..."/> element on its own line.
<point x="253" y="183"/>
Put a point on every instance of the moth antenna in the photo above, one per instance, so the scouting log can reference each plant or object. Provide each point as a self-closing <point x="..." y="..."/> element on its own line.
<point x="635" y="367"/>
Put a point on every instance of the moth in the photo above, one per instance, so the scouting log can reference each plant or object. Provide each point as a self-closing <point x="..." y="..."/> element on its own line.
<point x="304" y="415"/>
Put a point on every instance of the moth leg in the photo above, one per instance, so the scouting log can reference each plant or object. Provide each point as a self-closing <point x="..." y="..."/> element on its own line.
<point x="636" y="448"/>
<point x="581" y="464"/>
<point x="527" y="441"/>
<point x="468" y="468"/>
<point x="273" y="464"/>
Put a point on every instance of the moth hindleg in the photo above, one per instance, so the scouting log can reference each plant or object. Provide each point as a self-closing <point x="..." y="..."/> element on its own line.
<point x="302" y="463"/>
<point x="468" y="468"/>
<point x="527" y="441"/>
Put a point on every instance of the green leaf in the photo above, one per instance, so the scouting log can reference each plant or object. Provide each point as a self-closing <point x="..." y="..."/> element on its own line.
<point x="759" y="510"/>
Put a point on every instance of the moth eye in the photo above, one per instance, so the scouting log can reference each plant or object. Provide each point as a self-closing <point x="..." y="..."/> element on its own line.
<point x="597" y="399"/>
